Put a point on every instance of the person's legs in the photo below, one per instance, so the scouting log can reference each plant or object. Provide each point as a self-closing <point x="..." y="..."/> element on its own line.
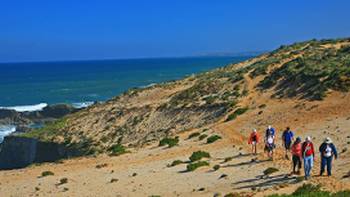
<point x="323" y="165"/>
<point x="299" y="165"/>
<point x="255" y="149"/>
<point x="306" y="167"/>
<point x="329" y="166"/>
<point x="308" y="164"/>
<point x="295" y="163"/>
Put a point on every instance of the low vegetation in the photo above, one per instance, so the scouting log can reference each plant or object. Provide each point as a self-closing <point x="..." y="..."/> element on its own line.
<point x="63" y="181"/>
<point x="311" y="75"/>
<point x="193" y="135"/>
<point x="237" y="113"/>
<point x="216" y="167"/>
<point x="213" y="138"/>
<point x="309" y="190"/>
<point x="198" y="155"/>
<point x="47" y="173"/>
<point x="171" y="142"/>
<point x="270" y="171"/>
<point x="193" y="166"/>
<point x="117" y="150"/>
<point x="175" y="163"/>
<point x="202" y="137"/>
<point x="48" y="132"/>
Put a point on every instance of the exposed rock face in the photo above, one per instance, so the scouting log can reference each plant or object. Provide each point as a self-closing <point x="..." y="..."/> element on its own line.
<point x="23" y="119"/>
<point x="19" y="152"/>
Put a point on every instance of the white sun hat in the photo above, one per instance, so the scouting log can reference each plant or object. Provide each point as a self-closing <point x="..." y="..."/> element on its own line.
<point x="328" y="140"/>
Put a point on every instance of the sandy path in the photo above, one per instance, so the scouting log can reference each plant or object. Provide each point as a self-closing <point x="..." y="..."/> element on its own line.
<point x="153" y="177"/>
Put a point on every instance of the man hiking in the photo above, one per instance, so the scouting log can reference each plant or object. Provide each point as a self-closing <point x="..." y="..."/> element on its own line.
<point x="270" y="141"/>
<point x="328" y="151"/>
<point x="308" y="156"/>
<point x="296" y="155"/>
<point x="287" y="138"/>
<point x="254" y="140"/>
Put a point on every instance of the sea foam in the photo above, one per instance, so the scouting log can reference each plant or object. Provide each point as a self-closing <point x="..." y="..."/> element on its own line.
<point x="6" y="130"/>
<point x="82" y="104"/>
<point x="27" y="108"/>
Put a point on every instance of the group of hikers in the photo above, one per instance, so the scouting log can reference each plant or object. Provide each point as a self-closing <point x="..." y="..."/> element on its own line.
<point x="301" y="152"/>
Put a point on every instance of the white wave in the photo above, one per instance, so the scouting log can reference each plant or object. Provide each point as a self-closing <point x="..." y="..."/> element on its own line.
<point x="149" y="85"/>
<point x="82" y="104"/>
<point x="6" y="130"/>
<point x="27" y="108"/>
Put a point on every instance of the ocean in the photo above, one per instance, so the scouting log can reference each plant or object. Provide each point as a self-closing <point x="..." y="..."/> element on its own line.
<point x="32" y="86"/>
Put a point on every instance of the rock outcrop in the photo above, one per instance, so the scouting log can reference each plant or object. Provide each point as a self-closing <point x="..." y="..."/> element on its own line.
<point x="19" y="152"/>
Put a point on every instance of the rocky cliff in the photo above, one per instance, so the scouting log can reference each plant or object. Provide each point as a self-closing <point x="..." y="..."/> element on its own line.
<point x="19" y="152"/>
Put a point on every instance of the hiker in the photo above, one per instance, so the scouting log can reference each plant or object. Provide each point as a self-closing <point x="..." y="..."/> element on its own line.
<point x="308" y="156"/>
<point x="254" y="140"/>
<point x="270" y="131"/>
<point x="287" y="139"/>
<point x="296" y="155"/>
<point x="270" y="142"/>
<point x="327" y="150"/>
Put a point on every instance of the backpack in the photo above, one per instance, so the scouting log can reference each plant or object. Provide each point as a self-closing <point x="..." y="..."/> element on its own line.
<point x="270" y="132"/>
<point x="308" y="150"/>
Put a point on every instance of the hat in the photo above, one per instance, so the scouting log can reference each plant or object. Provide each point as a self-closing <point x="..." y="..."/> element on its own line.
<point x="254" y="130"/>
<point x="327" y="140"/>
<point x="298" y="139"/>
<point x="308" y="139"/>
<point x="269" y="127"/>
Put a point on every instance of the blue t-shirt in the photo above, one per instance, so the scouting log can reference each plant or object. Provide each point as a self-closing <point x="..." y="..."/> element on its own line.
<point x="288" y="136"/>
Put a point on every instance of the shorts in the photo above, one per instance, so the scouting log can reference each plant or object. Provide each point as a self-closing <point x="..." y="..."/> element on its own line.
<point x="269" y="147"/>
<point x="287" y="145"/>
<point x="254" y="142"/>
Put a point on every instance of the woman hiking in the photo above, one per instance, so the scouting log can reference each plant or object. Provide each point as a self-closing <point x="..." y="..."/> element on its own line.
<point x="328" y="151"/>
<point x="254" y="140"/>
<point x="308" y="156"/>
<point x="296" y="155"/>
<point x="270" y="142"/>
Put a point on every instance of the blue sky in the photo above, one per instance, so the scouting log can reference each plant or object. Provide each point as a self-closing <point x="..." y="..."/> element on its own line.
<point x="42" y="30"/>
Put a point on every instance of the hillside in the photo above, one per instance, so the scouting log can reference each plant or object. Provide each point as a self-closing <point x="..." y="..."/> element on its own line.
<point x="308" y="70"/>
<point x="304" y="86"/>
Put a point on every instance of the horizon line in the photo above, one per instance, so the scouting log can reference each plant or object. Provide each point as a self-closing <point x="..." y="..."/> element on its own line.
<point x="204" y="55"/>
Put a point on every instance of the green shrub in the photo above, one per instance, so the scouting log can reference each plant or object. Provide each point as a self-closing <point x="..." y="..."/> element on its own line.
<point x="198" y="155"/>
<point x="47" y="173"/>
<point x="236" y="113"/>
<point x="270" y="170"/>
<point x="192" y="135"/>
<point x="202" y="137"/>
<point x="63" y="181"/>
<point x="175" y="163"/>
<point x="213" y="138"/>
<point x="117" y="149"/>
<point x="232" y="195"/>
<point x="171" y="142"/>
<point x="195" y="165"/>
<point x="216" y="167"/>
<point x="227" y="159"/>
<point x="262" y="106"/>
